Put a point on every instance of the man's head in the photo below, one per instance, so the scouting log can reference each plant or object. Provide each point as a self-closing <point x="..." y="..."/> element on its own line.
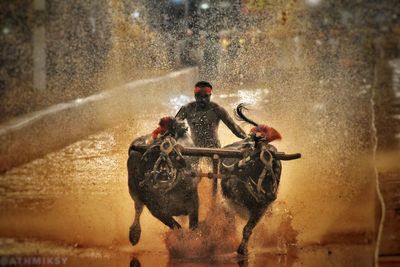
<point x="202" y="93"/>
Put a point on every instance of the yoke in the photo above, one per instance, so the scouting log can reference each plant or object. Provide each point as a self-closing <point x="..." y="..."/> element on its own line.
<point x="216" y="154"/>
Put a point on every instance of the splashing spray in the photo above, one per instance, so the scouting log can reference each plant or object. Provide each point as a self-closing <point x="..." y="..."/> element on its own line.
<point x="216" y="235"/>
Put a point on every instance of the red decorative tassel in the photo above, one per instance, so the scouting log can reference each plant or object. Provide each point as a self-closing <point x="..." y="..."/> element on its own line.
<point x="274" y="135"/>
<point x="164" y="125"/>
<point x="156" y="132"/>
<point x="165" y="122"/>
<point x="269" y="133"/>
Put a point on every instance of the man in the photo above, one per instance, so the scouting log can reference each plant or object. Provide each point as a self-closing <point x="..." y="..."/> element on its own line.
<point x="203" y="117"/>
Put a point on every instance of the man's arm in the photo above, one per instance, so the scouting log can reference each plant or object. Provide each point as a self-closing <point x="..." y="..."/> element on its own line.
<point x="181" y="115"/>
<point x="224" y="116"/>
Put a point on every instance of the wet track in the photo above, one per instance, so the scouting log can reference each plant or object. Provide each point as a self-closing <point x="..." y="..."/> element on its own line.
<point x="75" y="203"/>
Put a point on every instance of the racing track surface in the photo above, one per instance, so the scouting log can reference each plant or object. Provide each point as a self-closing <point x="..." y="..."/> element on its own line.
<point x="75" y="202"/>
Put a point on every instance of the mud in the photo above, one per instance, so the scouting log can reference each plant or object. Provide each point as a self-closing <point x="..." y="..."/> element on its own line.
<point x="330" y="255"/>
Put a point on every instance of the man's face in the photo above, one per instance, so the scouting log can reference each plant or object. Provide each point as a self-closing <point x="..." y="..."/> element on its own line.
<point x="202" y="100"/>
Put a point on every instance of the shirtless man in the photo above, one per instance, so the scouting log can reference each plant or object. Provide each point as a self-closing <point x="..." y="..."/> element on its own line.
<point x="203" y="117"/>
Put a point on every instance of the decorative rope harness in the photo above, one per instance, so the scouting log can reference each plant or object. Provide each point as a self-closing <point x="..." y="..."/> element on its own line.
<point x="266" y="158"/>
<point x="168" y="146"/>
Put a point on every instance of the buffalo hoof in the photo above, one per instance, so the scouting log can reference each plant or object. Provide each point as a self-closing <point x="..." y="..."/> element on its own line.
<point x="135" y="263"/>
<point x="242" y="250"/>
<point x="134" y="234"/>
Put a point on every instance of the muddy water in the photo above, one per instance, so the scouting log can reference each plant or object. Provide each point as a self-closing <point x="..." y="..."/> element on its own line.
<point x="78" y="198"/>
<point x="331" y="255"/>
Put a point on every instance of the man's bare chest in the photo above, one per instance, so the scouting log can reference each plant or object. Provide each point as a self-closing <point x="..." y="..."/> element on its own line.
<point x="200" y="118"/>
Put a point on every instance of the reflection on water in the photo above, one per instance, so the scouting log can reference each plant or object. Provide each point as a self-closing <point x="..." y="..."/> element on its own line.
<point x="333" y="255"/>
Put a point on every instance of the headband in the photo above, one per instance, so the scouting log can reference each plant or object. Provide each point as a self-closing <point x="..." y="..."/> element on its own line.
<point x="203" y="90"/>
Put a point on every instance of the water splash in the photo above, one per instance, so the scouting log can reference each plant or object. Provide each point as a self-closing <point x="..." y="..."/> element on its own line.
<point x="216" y="235"/>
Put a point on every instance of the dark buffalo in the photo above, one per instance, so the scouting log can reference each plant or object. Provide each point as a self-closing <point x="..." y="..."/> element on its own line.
<point x="161" y="179"/>
<point x="252" y="182"/>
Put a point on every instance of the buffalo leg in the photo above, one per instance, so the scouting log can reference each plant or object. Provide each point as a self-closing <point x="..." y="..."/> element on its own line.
<point x="255" y="217"/>
<point x="135" y="230"/>
<point x="167" y="220"/>
<point x="194" y="214"/>
<point x="133" y="164"/>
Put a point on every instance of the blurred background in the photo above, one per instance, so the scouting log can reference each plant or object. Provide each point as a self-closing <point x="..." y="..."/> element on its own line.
<point x="80" y="79"/>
